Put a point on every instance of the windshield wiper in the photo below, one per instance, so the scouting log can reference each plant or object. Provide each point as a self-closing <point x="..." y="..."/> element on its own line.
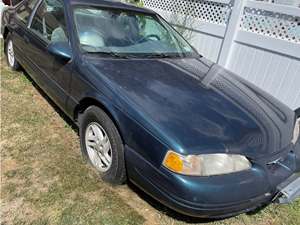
<point x="113" y="54"/>
<point x="158" y="55"/>
<point x="164" y="55"/>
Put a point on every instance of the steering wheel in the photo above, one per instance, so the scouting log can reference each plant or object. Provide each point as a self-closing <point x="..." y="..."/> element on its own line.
<point x="150" y="36"/>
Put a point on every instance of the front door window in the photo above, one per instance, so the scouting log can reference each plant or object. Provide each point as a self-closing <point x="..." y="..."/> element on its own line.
<point x="49" y="21"/>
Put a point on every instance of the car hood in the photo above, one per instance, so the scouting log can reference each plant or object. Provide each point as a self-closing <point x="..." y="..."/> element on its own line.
<point x="196" y="106"/>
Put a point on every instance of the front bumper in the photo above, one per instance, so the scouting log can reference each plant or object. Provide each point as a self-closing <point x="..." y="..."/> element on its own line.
<point x="219" y="196"/>
<point x="289" y="190"/>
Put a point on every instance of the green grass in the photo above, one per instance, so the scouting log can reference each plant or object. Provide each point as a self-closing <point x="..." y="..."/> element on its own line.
<point x="45" y="180"/>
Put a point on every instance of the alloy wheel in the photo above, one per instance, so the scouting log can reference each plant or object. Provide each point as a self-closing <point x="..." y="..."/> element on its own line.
<point x="10" y="53"/>
<point x="98" y="147"/>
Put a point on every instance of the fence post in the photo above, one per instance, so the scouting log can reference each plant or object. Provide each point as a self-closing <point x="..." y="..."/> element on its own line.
<point x="231" y="32"/>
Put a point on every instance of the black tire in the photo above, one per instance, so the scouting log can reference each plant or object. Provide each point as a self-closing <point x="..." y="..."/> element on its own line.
<point x="13" y="64"/>
<point x="116" y="173"/>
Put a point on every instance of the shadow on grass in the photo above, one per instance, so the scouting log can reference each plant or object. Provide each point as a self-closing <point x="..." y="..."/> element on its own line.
<point x="144" y="196"/>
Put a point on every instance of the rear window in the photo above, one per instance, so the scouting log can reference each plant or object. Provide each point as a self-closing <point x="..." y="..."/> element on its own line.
<point x="25" y="10"/>
<point x="15" y="2"/>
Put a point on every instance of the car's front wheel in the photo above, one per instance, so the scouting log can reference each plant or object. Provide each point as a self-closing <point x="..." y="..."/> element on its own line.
<point x="10" y="54"/>
<point x="102" y="145"/>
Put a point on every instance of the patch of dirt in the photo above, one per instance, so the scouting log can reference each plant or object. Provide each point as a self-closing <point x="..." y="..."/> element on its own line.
<point x="25" y="212"/>
<point x="8" y="164"/>
<point x="143" y="208"/>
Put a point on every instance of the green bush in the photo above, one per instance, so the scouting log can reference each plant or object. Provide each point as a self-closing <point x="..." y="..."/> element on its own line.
<point x="136" y="2"/>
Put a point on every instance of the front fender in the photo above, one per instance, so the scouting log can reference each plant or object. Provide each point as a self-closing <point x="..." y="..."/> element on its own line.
<point x="133" y="134"/>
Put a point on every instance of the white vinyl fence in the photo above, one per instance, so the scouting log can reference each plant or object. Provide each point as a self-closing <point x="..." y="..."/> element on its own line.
<point x="260" y="41"/>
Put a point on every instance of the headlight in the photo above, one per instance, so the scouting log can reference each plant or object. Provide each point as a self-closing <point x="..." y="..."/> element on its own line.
<point x="296" y="132"/>
<point x="205" y="165"/>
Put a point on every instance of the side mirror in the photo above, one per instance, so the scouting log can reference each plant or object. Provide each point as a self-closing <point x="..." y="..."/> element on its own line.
<point x="61" y="50"/>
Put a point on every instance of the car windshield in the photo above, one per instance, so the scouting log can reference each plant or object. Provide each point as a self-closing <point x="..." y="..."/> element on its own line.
<point x="117" y="32"/>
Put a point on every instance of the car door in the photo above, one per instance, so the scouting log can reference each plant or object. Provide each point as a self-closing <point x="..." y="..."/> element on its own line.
<point x="20" y="27"/>
<point x="47" y="27"/>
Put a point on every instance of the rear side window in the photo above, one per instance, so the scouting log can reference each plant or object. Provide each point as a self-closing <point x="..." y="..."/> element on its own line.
<point x="15" y="2"/>
<point x="24" y="11"/>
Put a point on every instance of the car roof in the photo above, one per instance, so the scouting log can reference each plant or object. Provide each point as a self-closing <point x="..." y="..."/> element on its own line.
<point x="111" y="4"/>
